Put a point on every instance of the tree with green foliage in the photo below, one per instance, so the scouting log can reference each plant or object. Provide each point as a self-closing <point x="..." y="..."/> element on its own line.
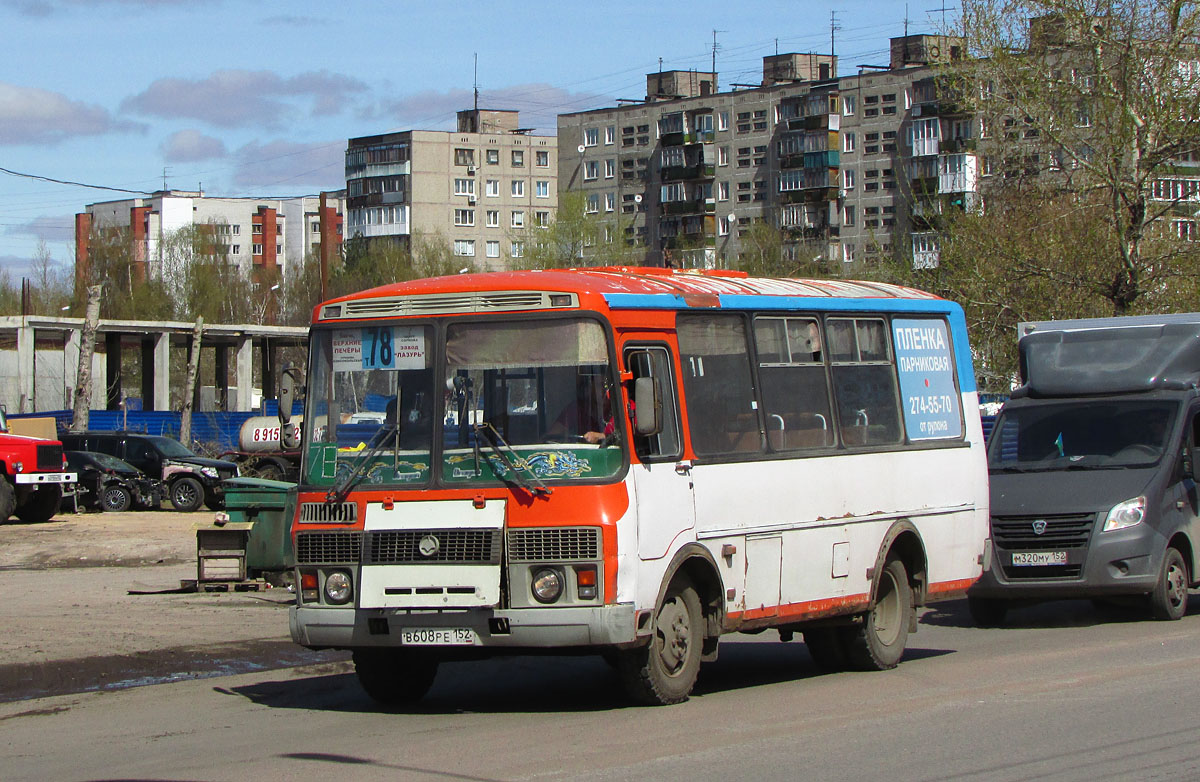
<point x="577" y="238"/>
<point x="1086" y="111"/>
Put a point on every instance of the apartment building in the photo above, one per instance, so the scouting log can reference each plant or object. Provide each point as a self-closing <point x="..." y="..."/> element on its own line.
<point x="482" y="189"/>
<point x="852" y="168"/>
<point x="263" y="235"/>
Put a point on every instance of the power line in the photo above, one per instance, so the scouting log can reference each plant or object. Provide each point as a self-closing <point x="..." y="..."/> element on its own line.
<point x="69" y="182"/>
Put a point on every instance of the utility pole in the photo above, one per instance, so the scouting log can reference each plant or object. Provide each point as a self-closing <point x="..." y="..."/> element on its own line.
<point x="833" y="28"/>
<point x="715" y="48"/>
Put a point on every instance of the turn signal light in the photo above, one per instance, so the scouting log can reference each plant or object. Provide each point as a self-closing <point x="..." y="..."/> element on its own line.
<point x="585" y="580"/>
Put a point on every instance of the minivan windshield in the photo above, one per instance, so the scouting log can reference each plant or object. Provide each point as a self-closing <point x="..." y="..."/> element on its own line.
<point x="1080" y="435"/>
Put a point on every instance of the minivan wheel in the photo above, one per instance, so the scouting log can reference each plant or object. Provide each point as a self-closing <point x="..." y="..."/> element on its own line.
<point x="1170" y="596"/>
<point x="186" y="494"/>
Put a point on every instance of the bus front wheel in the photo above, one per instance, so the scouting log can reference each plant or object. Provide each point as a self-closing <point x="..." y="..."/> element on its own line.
<point x="878" y="643"/>
<point x="664" y="671"/>
<point x="394" y="677"/>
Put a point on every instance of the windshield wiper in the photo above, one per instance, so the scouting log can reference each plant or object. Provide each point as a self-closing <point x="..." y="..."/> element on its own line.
<point x="337" y="494"/>
<point x="512" y="460"/>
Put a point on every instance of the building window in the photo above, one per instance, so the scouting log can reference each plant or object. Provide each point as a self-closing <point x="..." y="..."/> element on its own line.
<point x="723" y="226"/>
<point x="279" y="249"/>
<point x="464" y="187"/>
<point x="541" y="219"/>
<point x="591" y="170"/>
<point x="849" y="105"/>
<point x="464" y="157"/>
<point x="610" y="202"/>
<point x="610" y="169"/>
<point x="723" y="120"/>
<point x="518" y="219"/>
<point x="492" y="247"/>
<point x="493" y="218"/>
<point x="848" y="179"/>
<point x="542" y="189"/>
<point x="236" y="249"/>
<point x="722" y="156"/>
<point x="848" y="253"/>
<point x="492" y="188"/>
<point x="518" y="188"/>
<point x="592" y="205"/>
<point x="517" y="249"/>
<point x="464" y="247"/>
<point x="464" y="217"/>
<point x="541" y="158"/>
<point x="493" y="157"/>
<point x="610" y="134"/>
<point x="256" y="249"/>
<point x="848" y="142"/>
<point x="591" y="137"/>
<point x="237" y="229"/>
<point x="848" y="215"/>
<point x="518" y="158"/>
<point x="722" y="191"/>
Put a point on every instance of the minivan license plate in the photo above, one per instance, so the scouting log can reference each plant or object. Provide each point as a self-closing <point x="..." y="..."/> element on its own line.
<point x="1020" y="558"/>
<point x="437" y="636"/>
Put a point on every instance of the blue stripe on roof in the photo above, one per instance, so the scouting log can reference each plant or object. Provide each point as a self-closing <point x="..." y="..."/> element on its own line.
<point x="766" y="302"/>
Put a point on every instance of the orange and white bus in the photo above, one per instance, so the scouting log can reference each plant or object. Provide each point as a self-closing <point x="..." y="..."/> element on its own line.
<point x="632" y="462"/>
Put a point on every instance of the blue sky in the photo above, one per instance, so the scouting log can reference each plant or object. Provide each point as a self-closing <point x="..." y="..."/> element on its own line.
<point x="258" y="99"/>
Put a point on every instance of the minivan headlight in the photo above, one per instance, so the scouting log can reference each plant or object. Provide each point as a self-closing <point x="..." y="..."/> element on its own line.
<point x="211" y="472"/>
<point x="1125" y="514"/>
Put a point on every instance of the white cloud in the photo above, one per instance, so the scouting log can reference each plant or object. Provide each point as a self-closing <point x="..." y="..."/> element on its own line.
<point x="539" y="105"/>
<point x="241" y="98"/>
<point x="189" y="146"/>
<point x="51" y="230"/>
<point x="29" y="115"/>
<point x="285" y="167"/>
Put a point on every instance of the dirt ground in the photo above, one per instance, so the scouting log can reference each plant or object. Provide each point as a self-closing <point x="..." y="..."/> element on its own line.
<point x="69" y="621"/>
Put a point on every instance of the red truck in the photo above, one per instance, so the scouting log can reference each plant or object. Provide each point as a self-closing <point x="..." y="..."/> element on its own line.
<point x="34" y="474"/>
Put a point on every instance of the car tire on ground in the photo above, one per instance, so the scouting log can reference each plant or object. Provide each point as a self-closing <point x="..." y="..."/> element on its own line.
<point x="1169" y="600"/>
<point x="115" y="499"/>
<point x="878" y="643"/>
<point x="8" y="500"/>
<point x="186" y="494"/>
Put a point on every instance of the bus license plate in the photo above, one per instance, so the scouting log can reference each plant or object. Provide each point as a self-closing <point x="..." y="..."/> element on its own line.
<point x="438" y="636"/>
<point x="1035" y="558"/>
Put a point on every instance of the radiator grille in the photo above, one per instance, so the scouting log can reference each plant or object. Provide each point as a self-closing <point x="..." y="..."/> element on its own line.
<point x="313" y="548"/>
<point x="1043" y="572"/>
<point x="49" y="457"/>
<point x="472" y="546"/>
<point x="555" y="544"/>
<point x="448" y="303"/>
<point x="1015" y="533"/>
<point x="324" y="513"/>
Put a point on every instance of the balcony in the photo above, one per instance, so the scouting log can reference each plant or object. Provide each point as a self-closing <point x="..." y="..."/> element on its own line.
<point x="705" y="206"/>
<point x="953" y="146"/>
<point x="672" y="139"/>
<point x="698" y="171"/>
<point x="816" y="122"/>
<point x="699" y="137"/>
<point x="810" y="194"/>
<point x="830" y="158"/>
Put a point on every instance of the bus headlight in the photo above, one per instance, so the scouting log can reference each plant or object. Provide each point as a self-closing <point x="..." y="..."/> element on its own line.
<point x="547" y="585"/>
<point x="338" y="589"/>
<point x="1125" y="514"/>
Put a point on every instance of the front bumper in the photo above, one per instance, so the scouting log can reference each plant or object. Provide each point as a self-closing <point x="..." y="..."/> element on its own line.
<point x="46" y="477"/>
<point x="1121" y="562"/>
<point x="342" y="628"/>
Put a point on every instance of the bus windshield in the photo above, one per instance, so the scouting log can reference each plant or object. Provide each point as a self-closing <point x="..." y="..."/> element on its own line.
<point x="510" y="400"/>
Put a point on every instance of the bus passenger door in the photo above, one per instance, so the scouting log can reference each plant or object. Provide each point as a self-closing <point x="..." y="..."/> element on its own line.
<point x="662" y="481"/>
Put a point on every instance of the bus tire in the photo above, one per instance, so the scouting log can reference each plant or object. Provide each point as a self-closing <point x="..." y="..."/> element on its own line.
<point x="826" y="648"/>
<point x="41" y="504"/>
<point x="394" y="677"/>
<point x="8" y="500"/>
<point x="1169" y="600"/>
<point x="878" y="643"/>
<point x="987" y="611"/>
<point x="664" y="671"/>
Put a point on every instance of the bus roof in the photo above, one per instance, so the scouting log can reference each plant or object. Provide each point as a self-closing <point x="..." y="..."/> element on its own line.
<point x="634" y="287"/>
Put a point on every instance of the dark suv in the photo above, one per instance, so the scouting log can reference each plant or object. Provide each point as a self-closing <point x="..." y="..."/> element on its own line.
<point x="189" y="479"/>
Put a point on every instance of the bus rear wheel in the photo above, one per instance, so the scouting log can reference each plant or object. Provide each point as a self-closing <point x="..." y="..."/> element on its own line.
<point x="394" y="677"/>
<point x="878" y="643"/>
<point x="664" y="671"/>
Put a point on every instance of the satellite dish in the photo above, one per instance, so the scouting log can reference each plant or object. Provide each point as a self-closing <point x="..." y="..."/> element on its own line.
<point x="637" y="199"/>
<point x="581" y="147"/>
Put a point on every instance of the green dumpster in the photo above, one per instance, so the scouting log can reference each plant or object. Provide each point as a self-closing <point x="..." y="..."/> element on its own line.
<point x="265" y="509"/>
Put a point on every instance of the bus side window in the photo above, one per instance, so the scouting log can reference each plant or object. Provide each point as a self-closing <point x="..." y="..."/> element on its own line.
<point x="717" y="385"/>
<point x="864" y="381"/>
<point x="794" y="391"/>
<point x="655" y="362"/>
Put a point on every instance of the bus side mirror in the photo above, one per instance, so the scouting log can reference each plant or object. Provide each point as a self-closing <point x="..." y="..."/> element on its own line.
<point x="287" y="394"/>
<point x="647" y="400"/>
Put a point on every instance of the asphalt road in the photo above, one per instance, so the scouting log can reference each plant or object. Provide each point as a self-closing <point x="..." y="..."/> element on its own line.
<point x="1064" y="693"/>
